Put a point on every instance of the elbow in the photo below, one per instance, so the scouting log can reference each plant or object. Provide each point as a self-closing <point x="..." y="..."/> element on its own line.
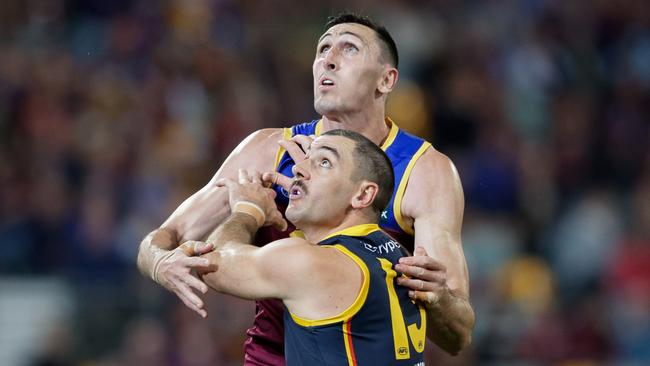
<point x="454" y="348"/>
<point x="462" y="336"/>
<point x="142" y="257"/>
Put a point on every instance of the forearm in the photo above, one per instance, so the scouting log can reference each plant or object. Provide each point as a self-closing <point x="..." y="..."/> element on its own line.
<point x="238" y="227"/>
<point x="156" y="243"/>
<point x="232" y="256"/>
<point x="450" y="322"/>
<point x="199" y="215"/>
<point x="188" y="222"/>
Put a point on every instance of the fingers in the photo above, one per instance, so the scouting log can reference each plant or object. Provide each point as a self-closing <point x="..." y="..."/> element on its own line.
<point x="190" y="299"/>
<point x="277" y="221"/>
<point x="293" y="149"/>
<point x="423" y="261"/>
<point x="256" y="177"/>
<point x="195" y="262"/>
<point x="420" y="251"/>
<point x="194" y="282"/>
<point x="203" y="248"/>
<point x="421" y="273"/>
<point x="277" y="178"/>
<point x="428" y="298"/>
<point x="418" y="285"/>
<point x="243" y="176"/>
<point x="194" y="248"/>
<point x="304" y="141"/>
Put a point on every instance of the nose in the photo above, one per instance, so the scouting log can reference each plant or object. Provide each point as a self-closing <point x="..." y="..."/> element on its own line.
<point x="300" y="170"/>
<point x="331" y="61"/>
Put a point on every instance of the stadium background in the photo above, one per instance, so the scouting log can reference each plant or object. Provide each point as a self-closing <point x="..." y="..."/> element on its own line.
<point x="112" y="112"/>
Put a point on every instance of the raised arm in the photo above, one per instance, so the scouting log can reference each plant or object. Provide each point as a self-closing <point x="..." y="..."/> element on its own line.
<point x="440" y="280"/>
<point x="195" y="218"/>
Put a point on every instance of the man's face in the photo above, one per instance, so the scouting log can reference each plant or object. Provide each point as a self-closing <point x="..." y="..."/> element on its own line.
<point x="323" y="188"/>
<point x="347" y="69"/>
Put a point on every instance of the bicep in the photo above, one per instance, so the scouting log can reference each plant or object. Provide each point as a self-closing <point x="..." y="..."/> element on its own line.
<point x="436" y="203"/>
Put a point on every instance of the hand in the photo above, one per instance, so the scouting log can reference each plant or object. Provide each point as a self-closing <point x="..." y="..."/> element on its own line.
<point x="249" y="188"/>
<point x="428" y="282"/>
<point x="172" y="270"/>
<point x="271" y="178"/>
<point x="297" y="146"/>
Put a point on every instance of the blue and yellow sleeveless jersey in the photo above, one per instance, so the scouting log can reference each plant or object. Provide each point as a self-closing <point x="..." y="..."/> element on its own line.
<point x="403" y="150"/>
<point x="382" y="327"/>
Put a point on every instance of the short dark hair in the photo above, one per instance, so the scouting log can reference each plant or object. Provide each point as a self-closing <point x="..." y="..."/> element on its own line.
<point x="373" y="165"/>
<point x="388" y="44"/>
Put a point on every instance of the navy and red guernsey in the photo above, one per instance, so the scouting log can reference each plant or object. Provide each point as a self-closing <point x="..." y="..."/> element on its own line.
<point x="265" y="343"/>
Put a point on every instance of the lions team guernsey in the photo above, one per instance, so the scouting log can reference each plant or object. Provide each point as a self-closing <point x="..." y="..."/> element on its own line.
<point x="265" y="343"/>
<point x="381" y="327"/>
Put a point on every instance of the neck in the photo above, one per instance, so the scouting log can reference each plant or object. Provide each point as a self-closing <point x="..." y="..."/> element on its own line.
<point x="316" y="232"/>
<point x="370" y="123"/>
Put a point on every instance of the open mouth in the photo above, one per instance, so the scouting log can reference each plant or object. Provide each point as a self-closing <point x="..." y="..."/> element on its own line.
<point x="297" y="190"/>
<point x="326" y="82"/>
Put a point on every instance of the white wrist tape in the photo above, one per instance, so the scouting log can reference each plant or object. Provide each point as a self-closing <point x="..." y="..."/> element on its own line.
<point x="159" y="257"/>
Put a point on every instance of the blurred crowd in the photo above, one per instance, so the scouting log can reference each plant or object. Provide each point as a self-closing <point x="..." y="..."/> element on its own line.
<point x="113" y="112"/>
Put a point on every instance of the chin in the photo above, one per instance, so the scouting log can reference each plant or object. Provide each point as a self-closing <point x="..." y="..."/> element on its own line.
<point x="325" y="107"/>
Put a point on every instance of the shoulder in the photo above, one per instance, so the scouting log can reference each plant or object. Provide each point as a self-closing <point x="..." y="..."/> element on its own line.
<point x="300" y="252"/>
<point x="434" y="179"/>
<point x="301" y="263"/>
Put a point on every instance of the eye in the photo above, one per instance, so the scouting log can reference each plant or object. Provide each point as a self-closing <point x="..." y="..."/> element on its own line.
<point x="325" y="163"/>
<point x="324" y="48"/>
<point x="350" y="48"/>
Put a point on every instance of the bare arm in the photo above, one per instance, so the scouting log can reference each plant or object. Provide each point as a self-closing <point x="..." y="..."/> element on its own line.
<point x="306" y="277"/>
<point x="198" y="216"/>
<point x="434" y="199"/>
<point x="251" y="272"/>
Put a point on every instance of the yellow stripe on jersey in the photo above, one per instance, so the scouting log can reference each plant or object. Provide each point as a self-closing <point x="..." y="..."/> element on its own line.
<point x="319" y="127"/>
<point x="357" y="230"/>
<point x="397" y="203"/>
<point x="286" y="135"/>
<point x="394" y="129"/>
<point x="352" y="309"/>
<point x="400" y="339"/>
<point x="418" y="335"/>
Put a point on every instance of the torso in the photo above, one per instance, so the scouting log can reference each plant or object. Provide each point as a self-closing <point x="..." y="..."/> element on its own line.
<point x="359" y="334"/>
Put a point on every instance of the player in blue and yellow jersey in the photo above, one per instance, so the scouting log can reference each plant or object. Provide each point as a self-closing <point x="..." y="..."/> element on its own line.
<point x="343" y="305"/>
<point x="354" y="71"/>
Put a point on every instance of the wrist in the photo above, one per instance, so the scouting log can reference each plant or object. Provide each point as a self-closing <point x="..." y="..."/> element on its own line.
<point x="252" y="209"/>
<point x="159" y="256"/>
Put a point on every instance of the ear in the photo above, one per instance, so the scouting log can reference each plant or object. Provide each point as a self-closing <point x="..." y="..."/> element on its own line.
<point x="365" y="195"/>
<point x="388" y="80"/>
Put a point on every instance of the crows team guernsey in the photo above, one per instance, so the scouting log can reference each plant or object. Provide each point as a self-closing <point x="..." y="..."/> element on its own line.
<point x="382" y="327"/>
<point x="265" y="343"/>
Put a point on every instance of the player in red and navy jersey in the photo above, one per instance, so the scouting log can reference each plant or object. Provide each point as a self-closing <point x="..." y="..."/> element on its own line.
<point x="342" y="303"/>
<point x="354" y="70"/>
